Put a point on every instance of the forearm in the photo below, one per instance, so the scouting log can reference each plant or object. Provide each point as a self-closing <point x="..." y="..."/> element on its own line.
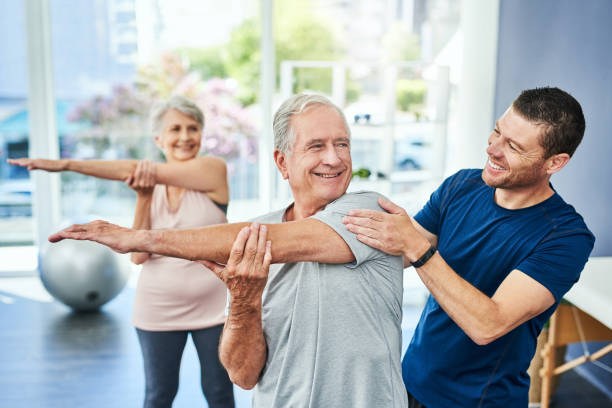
<point x="211" y="243"/>
<point x="476" y="313"/>
<point x="242" y="349"/>
<point x="306" y="240"/>
<point x="142" y="220"/>
<point x="106" y="169"/>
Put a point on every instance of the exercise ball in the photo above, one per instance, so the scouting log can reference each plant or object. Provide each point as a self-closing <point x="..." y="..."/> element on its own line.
<point x="81" y="274"/>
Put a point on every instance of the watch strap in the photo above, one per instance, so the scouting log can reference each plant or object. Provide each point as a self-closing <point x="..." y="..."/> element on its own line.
<point x="425" y="257"/>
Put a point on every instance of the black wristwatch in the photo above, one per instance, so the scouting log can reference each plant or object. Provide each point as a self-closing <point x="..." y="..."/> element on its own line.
<point x="425" y="257"/>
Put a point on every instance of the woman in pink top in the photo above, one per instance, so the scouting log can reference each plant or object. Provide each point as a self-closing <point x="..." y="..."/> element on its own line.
<point x="174" y="297"/>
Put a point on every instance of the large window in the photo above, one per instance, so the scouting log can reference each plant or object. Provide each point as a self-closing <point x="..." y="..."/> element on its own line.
<point x="137" y="53"/>
<point x="16" y="227"/>
<point x="383" y="62"/>
<point x="380" y="62"/>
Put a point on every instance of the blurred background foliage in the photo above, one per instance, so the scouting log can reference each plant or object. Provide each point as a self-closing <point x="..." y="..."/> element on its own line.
<point x="298" y="36"/>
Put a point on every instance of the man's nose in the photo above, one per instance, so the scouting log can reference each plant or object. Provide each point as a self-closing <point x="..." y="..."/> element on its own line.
<point x="493" y="149"/>
<point x="331" y="156"/>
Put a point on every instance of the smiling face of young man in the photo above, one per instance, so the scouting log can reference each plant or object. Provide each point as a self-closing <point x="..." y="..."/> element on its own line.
<point x="516" y="163"/>
<point x="319" y="167"/>
<point x="516" y="158"/>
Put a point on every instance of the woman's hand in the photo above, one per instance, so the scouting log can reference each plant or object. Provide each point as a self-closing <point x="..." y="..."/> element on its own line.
<point x="143" y="178"/>
<point x="40" y="164"/>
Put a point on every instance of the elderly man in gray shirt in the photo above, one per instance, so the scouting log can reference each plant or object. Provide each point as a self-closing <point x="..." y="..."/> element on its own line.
<point x="322" y="326"/>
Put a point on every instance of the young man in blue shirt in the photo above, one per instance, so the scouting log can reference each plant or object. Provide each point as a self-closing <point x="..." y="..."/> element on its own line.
<point x="497" y="248"/>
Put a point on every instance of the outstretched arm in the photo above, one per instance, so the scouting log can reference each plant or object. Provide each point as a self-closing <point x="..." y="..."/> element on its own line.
<point x="106" y="169"/>
<point x="242" y="348"/>
<point x="207" y="174"/>
<point x="304" y="240"/>
<point x="483" y="318"/>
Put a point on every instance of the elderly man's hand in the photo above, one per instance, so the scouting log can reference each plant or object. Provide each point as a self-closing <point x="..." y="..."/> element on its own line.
<point x="392" y="232"/>
<point x="117" y="238"/>
<point x="246" y="272"/>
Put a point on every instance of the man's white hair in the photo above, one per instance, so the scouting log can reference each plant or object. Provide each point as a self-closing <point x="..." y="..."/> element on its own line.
<point x="284" y="135"/>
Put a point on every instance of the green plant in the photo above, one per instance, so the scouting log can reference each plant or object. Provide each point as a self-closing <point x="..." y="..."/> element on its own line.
<point x="411" y="95"/>
<point x="362" y="172"/>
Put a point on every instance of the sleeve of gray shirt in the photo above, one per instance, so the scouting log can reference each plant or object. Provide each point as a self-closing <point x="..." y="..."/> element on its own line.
<point x="332" y="216"/>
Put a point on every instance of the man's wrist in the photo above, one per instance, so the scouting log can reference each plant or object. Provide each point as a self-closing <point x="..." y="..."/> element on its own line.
<point x="243" y="314"/>
<point x="425" y="257"/>
<point x="146" y="240"/>
<point x="415" y="250"/>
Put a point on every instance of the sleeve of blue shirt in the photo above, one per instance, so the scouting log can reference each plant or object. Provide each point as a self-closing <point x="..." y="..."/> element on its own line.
<point x="558" y="260"/>
<point x="430" y="216"/>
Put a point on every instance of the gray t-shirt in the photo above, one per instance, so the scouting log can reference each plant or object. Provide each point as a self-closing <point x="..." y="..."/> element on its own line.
<point x="334" y="331"/>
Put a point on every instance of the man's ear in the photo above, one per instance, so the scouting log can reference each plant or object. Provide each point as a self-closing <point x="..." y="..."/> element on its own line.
<point x="280" y="159"/>
<point x="556" y="162"/>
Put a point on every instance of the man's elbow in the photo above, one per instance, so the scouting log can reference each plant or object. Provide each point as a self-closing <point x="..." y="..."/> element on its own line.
<point x="488" y="333"/>
<point x="487" y="330"/>
<point x="243" y="375"/>
<point x="482" y="340"/>
<point x="244" y="381"/>
<point x="139" y="258"/>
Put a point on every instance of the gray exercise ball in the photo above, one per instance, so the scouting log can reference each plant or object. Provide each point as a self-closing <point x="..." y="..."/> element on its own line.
<point x="81" y="274"/>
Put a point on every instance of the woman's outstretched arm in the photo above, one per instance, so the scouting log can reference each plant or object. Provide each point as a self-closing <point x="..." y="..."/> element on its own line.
<point x="106" y="169"/>
<point x="207" y="174"/>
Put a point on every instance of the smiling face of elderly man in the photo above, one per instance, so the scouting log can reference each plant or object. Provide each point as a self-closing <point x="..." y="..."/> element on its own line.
<point x="315" y="158"/>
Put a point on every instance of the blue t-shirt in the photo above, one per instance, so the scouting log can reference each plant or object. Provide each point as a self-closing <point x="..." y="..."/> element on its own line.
<point x="483" y="243"/>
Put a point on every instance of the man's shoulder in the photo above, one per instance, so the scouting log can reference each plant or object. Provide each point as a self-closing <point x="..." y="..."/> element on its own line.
<point x="461" y="186"/>
<point x="466" y="178"/>
<point x="564" y="218"/>
<point x="358" y="199"/>
<point x="271" y="217"/>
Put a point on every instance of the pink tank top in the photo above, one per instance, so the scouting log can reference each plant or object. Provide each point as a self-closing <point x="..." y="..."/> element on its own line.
<point x="172" y="293"/>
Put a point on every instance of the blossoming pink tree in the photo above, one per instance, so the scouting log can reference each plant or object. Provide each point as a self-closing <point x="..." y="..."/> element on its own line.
<point x="229" y="131"/>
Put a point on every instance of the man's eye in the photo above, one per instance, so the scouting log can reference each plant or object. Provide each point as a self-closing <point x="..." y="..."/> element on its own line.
<point x="511" y="146"/>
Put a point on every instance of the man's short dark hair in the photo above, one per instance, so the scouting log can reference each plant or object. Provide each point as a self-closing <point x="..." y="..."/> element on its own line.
<point x="558" y="112"/>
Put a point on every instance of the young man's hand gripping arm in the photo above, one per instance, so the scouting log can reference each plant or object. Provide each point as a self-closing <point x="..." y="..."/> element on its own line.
<point x="484" y="319"/>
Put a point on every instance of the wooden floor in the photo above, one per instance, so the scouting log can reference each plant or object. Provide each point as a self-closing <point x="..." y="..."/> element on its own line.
<point x="53" y="358"/>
